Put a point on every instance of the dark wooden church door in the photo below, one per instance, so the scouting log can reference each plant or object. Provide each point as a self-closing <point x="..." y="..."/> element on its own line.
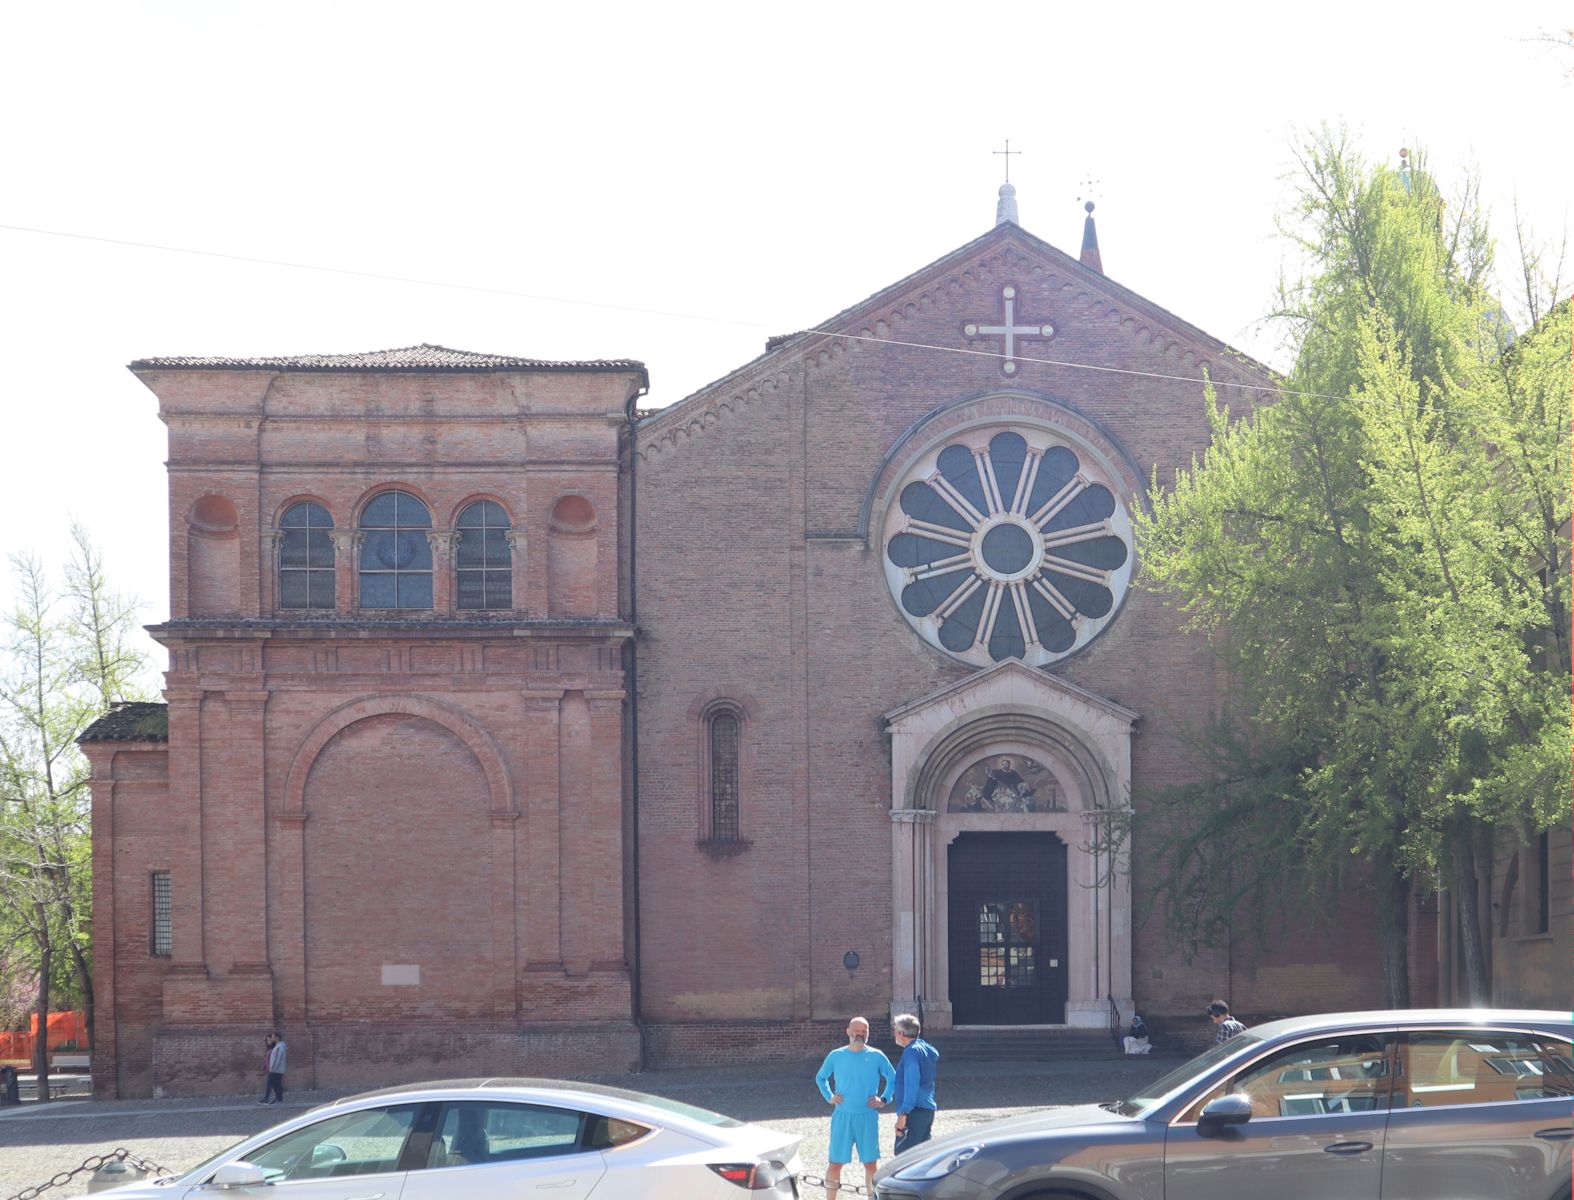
<point x="1007" y="929"/>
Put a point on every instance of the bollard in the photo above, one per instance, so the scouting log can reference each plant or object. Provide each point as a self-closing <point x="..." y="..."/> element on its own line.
<point x="113" y="1175"/>
<point x="9" y="1091"/>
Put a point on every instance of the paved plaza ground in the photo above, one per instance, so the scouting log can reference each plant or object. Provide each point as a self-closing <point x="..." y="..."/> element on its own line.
<point x="38" y="1141"/>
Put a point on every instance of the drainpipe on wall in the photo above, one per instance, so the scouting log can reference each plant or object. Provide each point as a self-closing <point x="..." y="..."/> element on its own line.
<point x="631" y="686"/>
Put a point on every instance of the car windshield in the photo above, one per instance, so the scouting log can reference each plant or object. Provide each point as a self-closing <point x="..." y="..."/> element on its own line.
<point x="1135" y="1106"/>
<point x="196" y="1173"/>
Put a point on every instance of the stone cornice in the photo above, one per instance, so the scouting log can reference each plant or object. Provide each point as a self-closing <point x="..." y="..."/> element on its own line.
<point x="913" y="816"/>
<point x="246" y="629"/>
<point x="1035" y="677"/>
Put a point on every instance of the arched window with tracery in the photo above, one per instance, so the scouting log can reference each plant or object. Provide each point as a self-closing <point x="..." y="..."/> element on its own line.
<point x="483" y="557"/>
<point x="396" y="557"/>
<point x="306" y="557"/>
<point x="723" y="742"/>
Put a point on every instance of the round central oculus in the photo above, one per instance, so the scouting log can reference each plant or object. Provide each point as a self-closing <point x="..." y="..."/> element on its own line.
<point x="1007" y="549"/>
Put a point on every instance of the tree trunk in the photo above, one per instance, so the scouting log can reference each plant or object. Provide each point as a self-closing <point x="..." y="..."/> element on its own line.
<point x="84" y="976"/>
<point x="41" y="1042"/>
<point x="1467" y="898"/>
<point x="1393" y="932"/>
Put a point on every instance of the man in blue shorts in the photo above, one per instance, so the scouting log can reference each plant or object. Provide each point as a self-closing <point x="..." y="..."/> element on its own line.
<point x="864" y="1082"/>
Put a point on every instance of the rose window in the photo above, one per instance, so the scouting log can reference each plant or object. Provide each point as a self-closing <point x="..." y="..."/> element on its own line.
<point x="1008" y="548"/>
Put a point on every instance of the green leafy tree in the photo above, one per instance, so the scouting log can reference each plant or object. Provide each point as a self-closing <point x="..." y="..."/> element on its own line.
<point x="66" y="658"/>
<point x="1378" y="555"/>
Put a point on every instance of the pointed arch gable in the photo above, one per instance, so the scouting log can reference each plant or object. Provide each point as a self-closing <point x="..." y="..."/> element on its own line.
<point x="479" y="742"/>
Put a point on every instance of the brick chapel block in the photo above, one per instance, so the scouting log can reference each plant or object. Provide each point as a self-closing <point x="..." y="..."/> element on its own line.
<point x="384" y="807"/>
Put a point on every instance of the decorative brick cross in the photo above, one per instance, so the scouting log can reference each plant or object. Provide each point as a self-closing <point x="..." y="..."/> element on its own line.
<point x="1009" y="329"/>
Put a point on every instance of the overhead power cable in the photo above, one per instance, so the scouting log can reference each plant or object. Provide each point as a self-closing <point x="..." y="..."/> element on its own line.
<point x="419" y="281"/>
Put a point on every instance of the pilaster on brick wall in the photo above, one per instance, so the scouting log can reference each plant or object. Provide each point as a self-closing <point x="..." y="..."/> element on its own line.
<point x="442" y="542"/>
<point x="346" y="577"/>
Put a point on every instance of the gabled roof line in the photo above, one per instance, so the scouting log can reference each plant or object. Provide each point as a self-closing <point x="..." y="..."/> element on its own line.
<point x="1013" y="666"/>
<point x="674" y="414"/>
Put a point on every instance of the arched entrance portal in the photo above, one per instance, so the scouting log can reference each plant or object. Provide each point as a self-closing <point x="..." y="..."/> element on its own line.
<point x="1007" y="929"/>
<point x="1011" y="898"/>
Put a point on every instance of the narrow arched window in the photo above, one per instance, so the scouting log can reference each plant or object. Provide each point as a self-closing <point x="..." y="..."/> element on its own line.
<point x="396" y="558"/>
<point x="306" y="557"/>
<point x="723" y="737"/>
<point x="483" y="558"/>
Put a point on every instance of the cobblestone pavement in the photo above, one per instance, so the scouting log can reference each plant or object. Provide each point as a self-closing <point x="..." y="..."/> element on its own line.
<point x="37" y="1142"/>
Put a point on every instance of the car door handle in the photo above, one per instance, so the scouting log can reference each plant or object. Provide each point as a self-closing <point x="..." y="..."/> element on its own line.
<point x="372" y="1196"/>
<point x="1558" y="1133"/>
<point x="1348" y="1147"/>
<point x="561" y="1183"/>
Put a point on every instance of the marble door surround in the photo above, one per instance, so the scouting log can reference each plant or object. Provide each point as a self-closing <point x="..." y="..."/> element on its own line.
<point x="1084" y="741"/>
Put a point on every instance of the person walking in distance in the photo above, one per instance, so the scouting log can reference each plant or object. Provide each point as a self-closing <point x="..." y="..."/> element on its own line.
<point x="274" y="1094"/>
<point x="863" y="1083"/>
<point x="1226" y="1025"/>
<point x="915" y="1083"/>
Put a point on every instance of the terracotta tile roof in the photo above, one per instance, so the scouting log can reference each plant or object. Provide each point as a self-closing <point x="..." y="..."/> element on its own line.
<point x="130" y="721"/>
<point x="425" y="357"/>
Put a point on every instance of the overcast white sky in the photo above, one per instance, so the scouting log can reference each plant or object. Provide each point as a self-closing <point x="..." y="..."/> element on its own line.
<point x="673" y="182"/>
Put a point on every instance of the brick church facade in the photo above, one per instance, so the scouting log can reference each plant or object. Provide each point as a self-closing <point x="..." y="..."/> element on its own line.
<point x="509" y="729"/>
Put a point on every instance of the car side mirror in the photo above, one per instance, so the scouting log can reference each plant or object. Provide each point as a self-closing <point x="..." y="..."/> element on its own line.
<point x="1226" y="1111"/>
<point x="237" y="1175"/>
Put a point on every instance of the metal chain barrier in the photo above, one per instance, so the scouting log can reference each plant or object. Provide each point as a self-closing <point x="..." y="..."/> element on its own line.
<point x="95" y="1163"/>
<point x="843" y="1188"/>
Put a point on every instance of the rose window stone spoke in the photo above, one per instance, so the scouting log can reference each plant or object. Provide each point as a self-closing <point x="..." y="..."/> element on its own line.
<point x="1010" y="545"/>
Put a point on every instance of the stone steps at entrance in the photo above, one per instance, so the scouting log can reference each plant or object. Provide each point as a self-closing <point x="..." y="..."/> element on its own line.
<point x="1025" y="1045"/>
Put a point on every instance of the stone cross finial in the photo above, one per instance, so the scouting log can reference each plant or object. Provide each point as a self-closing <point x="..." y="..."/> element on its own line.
<point x="1009" y="329"/>
<point x="1008" y="152"/>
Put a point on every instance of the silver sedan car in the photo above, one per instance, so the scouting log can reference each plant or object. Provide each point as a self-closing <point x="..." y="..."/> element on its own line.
<point x="486" y="1139"/>
<point x="1448" y="1104"/>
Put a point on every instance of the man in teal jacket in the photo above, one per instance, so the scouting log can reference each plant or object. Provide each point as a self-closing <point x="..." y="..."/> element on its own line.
<point x="864" y="1080"/>
<point x="915" y="1083"/>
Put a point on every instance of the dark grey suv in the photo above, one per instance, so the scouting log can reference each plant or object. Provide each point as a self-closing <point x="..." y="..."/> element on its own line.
<point x="1446" y="1104"/>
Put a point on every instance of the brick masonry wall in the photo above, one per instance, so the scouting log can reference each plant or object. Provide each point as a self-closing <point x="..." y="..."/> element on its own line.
<point x="362" y="821"/>
<point x="753" y="586"/>
<point x="727" y="1043"/>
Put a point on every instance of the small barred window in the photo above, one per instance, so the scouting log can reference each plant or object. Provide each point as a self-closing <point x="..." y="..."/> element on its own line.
<point x="161" y="928"/>
<point x="483" y="557"/>
<point x="306" y="557"/>
<point x="724" y="738"/>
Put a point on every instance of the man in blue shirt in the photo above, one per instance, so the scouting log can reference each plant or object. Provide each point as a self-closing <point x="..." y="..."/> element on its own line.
<point x="915" y="1083"/>
<point x="863" y="1085"/>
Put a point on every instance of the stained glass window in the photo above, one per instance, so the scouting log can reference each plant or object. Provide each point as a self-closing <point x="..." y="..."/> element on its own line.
<point x="396" y="558"/>
<point x="306" y="574"/>
<point x="483" y="558"/>
<point x="1002" y="547"/>
<point x="725" y="733"/>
